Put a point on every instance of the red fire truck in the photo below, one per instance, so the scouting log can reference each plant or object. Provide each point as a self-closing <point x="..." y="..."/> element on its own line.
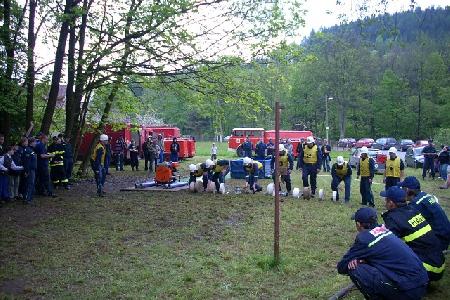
<point x="239" y="135"/>
<point x="140" y="134"/>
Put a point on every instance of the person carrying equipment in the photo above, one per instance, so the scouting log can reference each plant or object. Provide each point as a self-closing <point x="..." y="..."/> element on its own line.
<point x="341" y="171"/>
<point x="310" y="163"/>
<point x="196" y="171"/>
<point x="219" y="170"/>
<point x="165" y="173"/>
<point x="410" y="225"/>
<point x="98" y="164"/>
<point x="285" y="167"/>
<point x="366" y="169"/>
<point x="57" y="170"/>
<point x="252" y="169"/>
<point x="380" y="264"/>
<point x="428" y="206"/>
<point x="393" y="172"/>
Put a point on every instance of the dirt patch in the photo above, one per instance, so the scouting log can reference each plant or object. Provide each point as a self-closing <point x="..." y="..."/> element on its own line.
<point x="14" y="287"/>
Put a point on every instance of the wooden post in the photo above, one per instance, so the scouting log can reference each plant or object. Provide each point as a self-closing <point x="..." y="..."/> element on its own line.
<point x="276" y="243"/>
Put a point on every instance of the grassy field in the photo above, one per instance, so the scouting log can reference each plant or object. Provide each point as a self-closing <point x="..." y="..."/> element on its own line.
<point x="179" y="245"/>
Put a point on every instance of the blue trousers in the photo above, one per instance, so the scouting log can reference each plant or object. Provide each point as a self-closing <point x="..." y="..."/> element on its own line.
<point x="68" y="165"/>
<point x="248" y="153"/>
<point x="119" y="161"/>
<point x="335" y="183"/>
<point x="99" y="175"/>
<point x="4" y="186"/>
<point x="311" y="171"/>
<point x="43" y="181"/>
<point x="218" y="178"/>
<point x="30" y="181"/>
<point x="174" y="156"/>
<point x="428" y="164"/>
<point x="107" y="163"/>
<point x="443" y="171"/>
<point x="391" y="181"/>
<point x="365" y="188"/>
<point x="286" y="179"/>
<point x="161" y="156"/>
<point x="326" y="164"/>
<point x="375" y="285"/>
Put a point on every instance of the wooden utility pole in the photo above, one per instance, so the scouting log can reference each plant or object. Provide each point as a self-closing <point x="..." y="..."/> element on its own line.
<point x="276" y="243"/>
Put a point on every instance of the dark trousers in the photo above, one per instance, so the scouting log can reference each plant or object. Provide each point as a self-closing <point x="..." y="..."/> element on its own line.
<point x="58" y="175"/>
<point x="99" y="175"/>
<point x="253" y="183"/>
<point x="365" y="188"/>
<point x="29" y="184"/>
<point x="174" y="156"/>
<point x="335" y="183"/>
<point x="286" y="179"/>
<point x="43" y="185"/>
<point x="391" y="181"/>
<point x="161" y="157"/>
<point x="375" y="285"/>
<point x="428" y="164"/>
<point x="151" y="162"/>
<point x="119" y="161"/>
<point x="248" y="153"/>
<point x="326" y="164"/>
<point x="4" y="187"/>
<point x="107" y="163"/>
<point x="218" y="178"/>
<point x="146" y="160"/>
<point x="311" y="171"/>
<point x="134" y="161"/>
<point x="68" y="166"/>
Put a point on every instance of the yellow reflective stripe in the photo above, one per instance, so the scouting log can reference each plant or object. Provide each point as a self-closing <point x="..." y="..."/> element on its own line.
<point x="65" y="180"/>
<point x="57" y="164"/>
<point x="379" y="238"/>
<point x="417" y="234"/>
<point x="57" y="152"/>
<point x="430" y="268"/>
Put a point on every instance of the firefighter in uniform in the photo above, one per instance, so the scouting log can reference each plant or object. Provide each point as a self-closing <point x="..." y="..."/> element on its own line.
<point x="286" y="166"/>
<point x="219" y="169"/>
<point x="252" y="169"/>
<point x="310" y="163"/>
<point x="393" y="172"/>
<point x="366" y="170"/>
<point x="57" y="170"/>
<point x="380" y="264"/>
<point x="196" y="171"/>
<point x="341" y="171"/>
<point x="428" y="206"/>
<point x="410" y="225"/>
<point x="98" y="164"/>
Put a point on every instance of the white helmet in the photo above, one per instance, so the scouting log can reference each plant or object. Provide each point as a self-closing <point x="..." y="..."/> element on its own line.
<point x="340" y="160"/>
<point x="364" y="150"/>
<point x="209" y="163"/>
<point x="193" y="168"/>
<point x="281" y="147"/>
<point x="393" y="150"/>
<point x="309" y="140"/>
<point x="103" y="138"/>
<point x="296" y="193"/>
<point x="247" y="160"/>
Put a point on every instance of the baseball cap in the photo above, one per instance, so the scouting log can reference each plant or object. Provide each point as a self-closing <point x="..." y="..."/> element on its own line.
<point x="340" y="160"/>
<point x="365" y="215"/>
<point x="410" y="182"/>
<point x="395" y="194"/>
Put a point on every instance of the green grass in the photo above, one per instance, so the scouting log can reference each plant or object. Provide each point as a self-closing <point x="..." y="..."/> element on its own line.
<point x="204" y="149"/>
<point x="181" y="245"/>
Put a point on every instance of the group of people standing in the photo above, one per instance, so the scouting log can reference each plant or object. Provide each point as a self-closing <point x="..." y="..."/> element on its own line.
<point x="32" y="166"/>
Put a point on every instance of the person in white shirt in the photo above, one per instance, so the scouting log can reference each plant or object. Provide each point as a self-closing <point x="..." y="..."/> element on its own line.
<point x="213" y="151"/>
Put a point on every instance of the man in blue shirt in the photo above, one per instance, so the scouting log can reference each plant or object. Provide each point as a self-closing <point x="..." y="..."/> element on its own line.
<point x="260" y="150"/>
<point x="428" y="206"/>
<point x="247" y="146"/>
<point x="380" y="264"/>
<point x="429" y="153"/>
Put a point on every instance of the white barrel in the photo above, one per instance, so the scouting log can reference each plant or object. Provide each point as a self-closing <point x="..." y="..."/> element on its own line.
<point x="192" y="187"/>
<point x="296" y="193"/>
<point x="271" y="189"/>
<point x="222" y="188"/>
<point x="321" y="194"/>
<point x="334" y="195"/>
<point x="199" y="185"/>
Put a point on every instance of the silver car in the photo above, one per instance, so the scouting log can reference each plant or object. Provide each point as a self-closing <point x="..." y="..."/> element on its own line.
<point x="377" y="155"/>
<point x="414" y="157"/>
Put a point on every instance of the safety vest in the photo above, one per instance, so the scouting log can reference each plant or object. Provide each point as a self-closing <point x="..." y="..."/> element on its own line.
<point x="342" y="172"/>
<point x="58" y="151"/>
<point x="199" y="171"/>
<point x="393" y="167"/>
<point x="310" y="155"/>
<point x="220" y="166"/>
<point x="94" y="153"/>
<point x="364" y="167"/>
<point x="253" y="167"/>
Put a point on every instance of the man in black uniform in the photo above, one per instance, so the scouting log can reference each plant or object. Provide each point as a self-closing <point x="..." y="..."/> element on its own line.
<point x="410" y="225"/>
<point x="57" y="171"/>
<point x="380" y="264"/>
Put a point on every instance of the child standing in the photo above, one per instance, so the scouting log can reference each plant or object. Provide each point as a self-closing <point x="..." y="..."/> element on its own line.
<point x="213" y="151"/>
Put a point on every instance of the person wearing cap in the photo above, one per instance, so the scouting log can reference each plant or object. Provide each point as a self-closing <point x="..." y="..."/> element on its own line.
<point x="43" y="185"/>
<point x="98" y="164"/>
<point x="219" y="170"/>
<point x="196" y="171"/>
<point x="310" y="163"/>
<point x="247" y="147"/>
<point x="57" y="170"/>
<point x="411" y="226"/>
<point x="260" y="150"/>
<point x="341" y="171"/>
<point x="286" y="164"/>
<point x="380" y="264"/>
<point x="429" y="153"/>
<point x="394" y="170"/>
<point x="252" y="169"/>
<point x="428" y="206"/>
<point x="366" y="170"/>
<point x="326" y="150"/>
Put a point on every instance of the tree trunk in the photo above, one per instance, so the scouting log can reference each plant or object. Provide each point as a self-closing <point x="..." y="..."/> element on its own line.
<point x="30" y="76"/>
<point x="57" y="68"/>
<point x="5" y="124"/>
<point x="342" y="117"/>
<point x="70" y="81"/>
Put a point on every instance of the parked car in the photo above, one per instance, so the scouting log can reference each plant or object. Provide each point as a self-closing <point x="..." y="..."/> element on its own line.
<point x="414" y="157"/>
<point x="405" y="144"/>
<point x="347" y="143"/>
<point x="377" y="155"/>
<point x="385" y="143"/>
<point x="420" y="143"/>
<point x="227" y="138"/>
<point x="367" y="142"/>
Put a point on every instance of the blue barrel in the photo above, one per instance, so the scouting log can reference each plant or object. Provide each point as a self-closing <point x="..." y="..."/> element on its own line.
<point x="265" y="171"/>
<point x="237" y="169"/>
